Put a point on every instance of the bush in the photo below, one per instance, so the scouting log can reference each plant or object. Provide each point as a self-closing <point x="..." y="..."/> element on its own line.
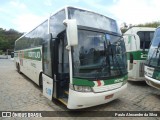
<point x="1" y="52"/>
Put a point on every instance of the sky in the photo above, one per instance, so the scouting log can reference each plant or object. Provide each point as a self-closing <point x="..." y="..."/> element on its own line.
<point x="24" y="15"/>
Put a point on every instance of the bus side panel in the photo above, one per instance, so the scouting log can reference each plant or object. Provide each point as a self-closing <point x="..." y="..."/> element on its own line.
<point x="137" y="72"/>
<point x="31" y="63"/>
<point x="131" y="46"/>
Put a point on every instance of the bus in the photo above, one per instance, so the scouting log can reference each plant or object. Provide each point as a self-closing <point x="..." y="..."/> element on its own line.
<point x="137" y="42"/>
<point x="152" y="66"/>
<point x="77" y="56"/>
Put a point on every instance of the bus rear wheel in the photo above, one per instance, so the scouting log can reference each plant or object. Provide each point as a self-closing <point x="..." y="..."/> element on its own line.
<point x="18" y="68"/>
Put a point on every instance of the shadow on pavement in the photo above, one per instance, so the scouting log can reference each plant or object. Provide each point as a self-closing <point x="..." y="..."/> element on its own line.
<point x="138" y="83"/>
<point x="29" y="80"/>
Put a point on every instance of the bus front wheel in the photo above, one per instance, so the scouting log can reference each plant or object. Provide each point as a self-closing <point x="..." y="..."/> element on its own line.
<point x="40" y="80"/>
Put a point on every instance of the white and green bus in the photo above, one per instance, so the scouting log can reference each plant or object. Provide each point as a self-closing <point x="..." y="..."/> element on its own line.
<point x="137" y="42"/>
<point x="152" y="66"/>
<point x="77" y="55"/>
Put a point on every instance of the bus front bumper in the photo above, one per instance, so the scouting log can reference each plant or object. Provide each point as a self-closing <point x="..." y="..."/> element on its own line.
<point x="78" y="100"/>
<point x="152" y="82"/>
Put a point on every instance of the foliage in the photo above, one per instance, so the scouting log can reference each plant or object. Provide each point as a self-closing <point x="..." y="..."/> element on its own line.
<point x="7" y="39"/>
<point x="1" y="52"/>
<point x="123" y="30"/>
<point x="152" y="24"/>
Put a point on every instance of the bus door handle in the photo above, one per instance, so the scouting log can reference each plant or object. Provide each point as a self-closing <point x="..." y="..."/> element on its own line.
<point x="48" y="82"/>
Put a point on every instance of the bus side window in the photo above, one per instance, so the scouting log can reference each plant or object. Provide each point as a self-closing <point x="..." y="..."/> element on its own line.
<point x="131" y="61"/>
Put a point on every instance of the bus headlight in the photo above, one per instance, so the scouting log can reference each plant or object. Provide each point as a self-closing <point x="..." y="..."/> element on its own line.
<point x="81" y="88"/>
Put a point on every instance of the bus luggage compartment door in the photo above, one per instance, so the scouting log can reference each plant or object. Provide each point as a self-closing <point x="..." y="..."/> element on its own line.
<point x="47" y="86"/>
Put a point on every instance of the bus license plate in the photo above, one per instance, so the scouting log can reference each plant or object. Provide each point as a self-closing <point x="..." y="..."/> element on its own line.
<point x="108" y="96"/>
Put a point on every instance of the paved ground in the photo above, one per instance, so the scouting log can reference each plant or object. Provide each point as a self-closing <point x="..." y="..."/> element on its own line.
<point x="18" y="93"/>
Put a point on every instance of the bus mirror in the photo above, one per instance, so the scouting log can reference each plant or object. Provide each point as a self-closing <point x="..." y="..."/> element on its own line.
<point x="72" y="34"/>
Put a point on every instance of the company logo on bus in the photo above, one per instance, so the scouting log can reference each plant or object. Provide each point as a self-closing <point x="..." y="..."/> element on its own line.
<point x="118" y="80"/>
<point x="34" y="54"/>
<point x="143" y="55"/>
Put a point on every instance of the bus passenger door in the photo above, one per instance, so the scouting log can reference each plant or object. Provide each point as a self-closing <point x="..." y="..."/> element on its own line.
<point x="47" y="78"/>
<point x="132" y="63"/>
<point x="129" y="46"/>
<point x="62" y="66"/>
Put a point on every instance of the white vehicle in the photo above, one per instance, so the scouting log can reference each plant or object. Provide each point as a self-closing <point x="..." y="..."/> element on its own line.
<point x="152" y="66"/>
<point x="137" y="42"/>
<point x="81" y="62"/>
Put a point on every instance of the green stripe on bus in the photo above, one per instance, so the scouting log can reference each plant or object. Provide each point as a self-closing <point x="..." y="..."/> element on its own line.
<point x="115" y="80"/>
<point x="137" y="55"/>
<point x="85" y="82"/>
<point x="34" y="54"/>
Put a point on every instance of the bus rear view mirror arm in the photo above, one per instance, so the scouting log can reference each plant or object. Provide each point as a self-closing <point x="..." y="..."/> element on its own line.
<point x="72" y="32"/>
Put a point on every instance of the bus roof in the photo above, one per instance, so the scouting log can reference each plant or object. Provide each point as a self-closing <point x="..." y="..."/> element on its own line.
<point x="63" y="8"/>
<point x="86" y="10"/>
<point x="134" y="30"/>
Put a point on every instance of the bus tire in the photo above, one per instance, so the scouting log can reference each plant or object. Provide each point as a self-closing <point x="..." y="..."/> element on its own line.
<point x="18" y="68"/>
<point x="40" y="80"/>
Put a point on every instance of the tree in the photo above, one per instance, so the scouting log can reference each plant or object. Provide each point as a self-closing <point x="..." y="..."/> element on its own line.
<point x="7" y="38"/>
<point x="152" y="24"/>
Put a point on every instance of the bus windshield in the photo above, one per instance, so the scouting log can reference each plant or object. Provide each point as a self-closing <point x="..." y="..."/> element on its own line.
<point x="154" y="51"/>
<point x="99" y="56"/>
<point x="145" y="38"/>
<point x="95" y="20"/>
